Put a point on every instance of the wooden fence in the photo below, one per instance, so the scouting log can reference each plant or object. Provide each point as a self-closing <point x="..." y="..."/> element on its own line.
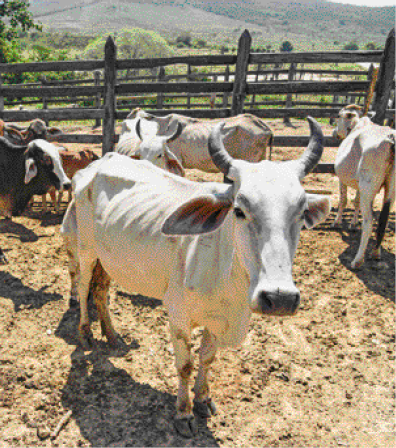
<point x="245" y="82"/>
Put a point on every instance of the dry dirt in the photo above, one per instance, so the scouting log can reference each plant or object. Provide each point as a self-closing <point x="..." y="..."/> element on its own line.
<point x="323" y="378"/>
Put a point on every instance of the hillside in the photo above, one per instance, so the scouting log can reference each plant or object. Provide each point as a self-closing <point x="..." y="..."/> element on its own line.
<point x="308" y="24"/>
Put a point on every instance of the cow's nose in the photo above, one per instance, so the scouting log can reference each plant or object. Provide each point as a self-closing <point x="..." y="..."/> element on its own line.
<point x="67" y="185"/>
<point x="280" y="303"/>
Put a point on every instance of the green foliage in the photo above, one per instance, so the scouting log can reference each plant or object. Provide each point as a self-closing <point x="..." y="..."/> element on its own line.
<point x="352" y="46"/>
<point x="185" y="39"/>
<point x="286" y="47"/>
<point x="14" y="16"/>
<point x="131" y="43"/>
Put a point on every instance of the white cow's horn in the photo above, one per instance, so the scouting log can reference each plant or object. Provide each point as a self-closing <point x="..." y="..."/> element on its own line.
<point x="217" y="151"/>
<point x="313" y="153"/>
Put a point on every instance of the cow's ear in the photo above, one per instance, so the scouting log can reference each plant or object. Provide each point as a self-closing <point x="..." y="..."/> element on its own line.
<point x="200" y="215"/>
<point x="317" y="211"/>
<point x="30" y="170"/>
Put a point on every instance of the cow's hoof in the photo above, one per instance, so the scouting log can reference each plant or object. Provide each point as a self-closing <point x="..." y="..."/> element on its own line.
<point x="205" y="409"/>
<point x="86" y="338"/>
<point x="186" y="426"/>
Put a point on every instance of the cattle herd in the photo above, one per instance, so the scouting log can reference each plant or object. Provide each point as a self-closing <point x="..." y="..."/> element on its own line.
<point x="214" y="253"/>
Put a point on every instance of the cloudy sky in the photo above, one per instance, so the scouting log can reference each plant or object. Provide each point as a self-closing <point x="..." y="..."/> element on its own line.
<point x="367" y="2"/>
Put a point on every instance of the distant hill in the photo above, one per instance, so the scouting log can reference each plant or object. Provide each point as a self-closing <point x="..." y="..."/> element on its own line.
<point x="308" y="24"/>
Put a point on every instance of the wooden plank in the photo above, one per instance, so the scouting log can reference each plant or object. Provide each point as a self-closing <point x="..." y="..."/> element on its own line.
<point x="49" y="92"/>
<point x="52" y="114"/>
<point x="205" y="60"/>
<point x="197" y="113"/>
<point x="77" y="138"/>
<point x="308" y="87"/>
<point x="109" y="98"/>
<point x="239" y="88"/>
<point x="340" y="57"/>
<point x="176" y="87"/>
<point x="58" y="66"/>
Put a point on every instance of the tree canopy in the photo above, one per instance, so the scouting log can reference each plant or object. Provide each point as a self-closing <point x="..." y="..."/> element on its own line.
<point x="131" y="43"/>
<point x="14" y="16"/>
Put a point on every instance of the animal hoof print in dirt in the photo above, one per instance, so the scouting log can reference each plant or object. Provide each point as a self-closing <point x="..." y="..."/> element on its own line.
<point x="205" y="409"/>
<point x="186" y="427"/>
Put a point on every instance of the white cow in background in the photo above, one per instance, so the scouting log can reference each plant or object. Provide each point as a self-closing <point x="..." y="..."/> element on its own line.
<point x="366" y="162"/>
<point x="247" y="137"/>
<point x="214" y="253"/>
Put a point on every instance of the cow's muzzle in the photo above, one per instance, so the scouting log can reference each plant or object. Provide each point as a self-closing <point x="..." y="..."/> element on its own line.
<point x="276" y="303"/>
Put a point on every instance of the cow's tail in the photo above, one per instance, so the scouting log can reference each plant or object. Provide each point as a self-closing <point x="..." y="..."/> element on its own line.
<point x="389" y="198"/>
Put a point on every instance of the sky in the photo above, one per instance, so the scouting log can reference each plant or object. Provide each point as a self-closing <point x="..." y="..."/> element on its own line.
<point x="367" y="2"/>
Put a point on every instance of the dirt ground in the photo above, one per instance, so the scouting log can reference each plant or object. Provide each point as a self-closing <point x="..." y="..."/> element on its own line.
<point x="322" y="378"/>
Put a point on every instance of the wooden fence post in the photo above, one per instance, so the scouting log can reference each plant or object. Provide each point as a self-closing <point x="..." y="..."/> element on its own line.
<point x="110" y="76"/>
<point x="225" y="94"/>
<point x="98" y="98"/>
<point x="160" y="95"/>
<point x="44" y="82"/>
<point x="385" y="79"/>
<point x="238" y="94"/>
<point x="289" y="99"/>
<point x="372" y="77"/>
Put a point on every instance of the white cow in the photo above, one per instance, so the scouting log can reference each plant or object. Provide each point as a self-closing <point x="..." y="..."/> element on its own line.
<point x="366" y="162"/>
<point x="247" y="138"/>
<point x="214" y="253"/>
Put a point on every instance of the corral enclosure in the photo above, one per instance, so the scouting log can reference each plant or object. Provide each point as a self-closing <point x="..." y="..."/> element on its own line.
<point x="324" y="377"/>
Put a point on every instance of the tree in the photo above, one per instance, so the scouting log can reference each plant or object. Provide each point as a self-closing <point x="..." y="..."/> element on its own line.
<point x="14" y="17"/>
<point x="131" y="43"/>
<point x="286" y="47"/>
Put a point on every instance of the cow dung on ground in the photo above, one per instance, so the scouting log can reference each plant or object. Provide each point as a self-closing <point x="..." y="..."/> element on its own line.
<point x="323" y="377"/>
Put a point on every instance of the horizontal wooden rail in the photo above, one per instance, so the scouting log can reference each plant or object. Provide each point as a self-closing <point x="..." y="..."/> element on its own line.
<point x="59" y="66"/>
<point x="52" y="114"/>
<point x="347" y="57"/>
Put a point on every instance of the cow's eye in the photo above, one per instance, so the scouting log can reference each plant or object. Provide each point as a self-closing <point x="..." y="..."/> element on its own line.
<point x="239" y="213"/>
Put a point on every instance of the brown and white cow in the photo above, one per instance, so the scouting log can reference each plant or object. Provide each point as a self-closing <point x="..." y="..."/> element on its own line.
<point x="72" y="161"/>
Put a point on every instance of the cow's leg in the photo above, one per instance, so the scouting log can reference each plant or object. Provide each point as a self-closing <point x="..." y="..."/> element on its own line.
<point x="74" y="269"/>
<point x="203" y="404"/>
<point x="185" y="422"/>
<point x="366" y="205"/>
<point x="86" y="268"/>
<point x="356" y="203"/>
<point x="58" y="201"/>
<point x="341" y="205"/>
<point x="389" y="199"/>
<point x="100" y="285"/>
<point x="44" y="207"/>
